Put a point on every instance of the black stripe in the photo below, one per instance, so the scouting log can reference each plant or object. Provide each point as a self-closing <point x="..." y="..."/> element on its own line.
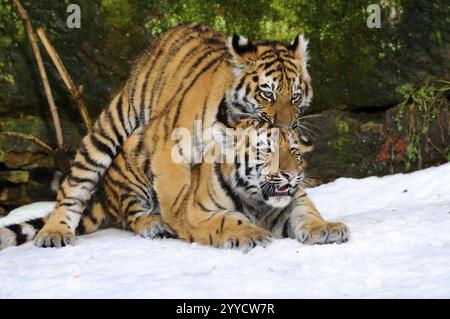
<point x="267" y="54"/>
<point x="37" y="223"/>
<point x="191" y="84"/>
<point x="203" y="207"/>
<point x="142" y="120"/>
<point x="161" y="71"/>
<point x="17" y="230"/>
<point x="120" y="184"/>
<point x="81" y="229"/>
<point x="178" y="196"/>
<point x="70" y="202"/>
<point x="87" y="157"/>
<point x="143" y="187"/>
<point x="80" y="180"/>
<point x="131" y="203"/>
<point x="104" y="134"/>
<point x="113" y="126"/>
<point x="211" y="197"/>
<point x="83" y="167"/>
<point x="212" y="215"/>
<point x="277" y="69"/>
<point x="75" y="211"/>
<point x="306" y="89"/>
<point x="134" y="212"/>
<point x="291" y="70"/>
<point x="108" y="203"/>
<point x="267" y="65"/>
<point x="119" y="108"/>
<point x="222" y="223"/>
<point x="288" y="63"/>
<point x="285" y="232"/>
<point x="146" y="165"/>
<point x="132" y="106"/>
<point x="140" y="146"/>
<point x="236" y="201"/>
<point x="102" y="147"/>
<point x="222" y="114"/>
<point x="93" y="219"/>
<point x="143" y="184"/>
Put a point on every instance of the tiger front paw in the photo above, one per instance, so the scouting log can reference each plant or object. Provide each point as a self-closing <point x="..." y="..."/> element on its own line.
<point x="322" y="232"/>
<point x="58" y="235"/>
<point x="245" y="237"/>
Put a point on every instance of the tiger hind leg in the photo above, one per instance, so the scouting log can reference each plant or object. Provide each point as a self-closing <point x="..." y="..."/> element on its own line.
<point x="150" y="226"/>
<point x="93" y="219"/>
<point x="143" y="217"/>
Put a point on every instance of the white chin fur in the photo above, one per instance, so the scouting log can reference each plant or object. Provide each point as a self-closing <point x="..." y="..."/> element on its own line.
<point x="279" y="201"/>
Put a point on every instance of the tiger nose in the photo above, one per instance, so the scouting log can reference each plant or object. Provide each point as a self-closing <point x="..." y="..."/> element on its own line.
<point x="290" y="175"/>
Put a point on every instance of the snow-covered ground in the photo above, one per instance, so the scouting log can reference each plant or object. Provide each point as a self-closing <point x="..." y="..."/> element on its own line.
<point x="400" y="247"/>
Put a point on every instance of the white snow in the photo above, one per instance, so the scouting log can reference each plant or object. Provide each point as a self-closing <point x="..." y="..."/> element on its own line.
<point x="400" y="247"/>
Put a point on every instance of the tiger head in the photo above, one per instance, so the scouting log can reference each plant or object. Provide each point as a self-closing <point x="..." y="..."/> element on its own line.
<point x="268" y="164"/>
<point x="271" y="80"/>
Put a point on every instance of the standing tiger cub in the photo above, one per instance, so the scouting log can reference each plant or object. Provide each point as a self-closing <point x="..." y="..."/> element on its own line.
<point x="253" y="196"/>
<point x="190" y="73"/>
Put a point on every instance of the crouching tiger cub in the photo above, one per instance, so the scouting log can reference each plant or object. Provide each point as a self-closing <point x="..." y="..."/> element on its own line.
<point x="231" y="204"/>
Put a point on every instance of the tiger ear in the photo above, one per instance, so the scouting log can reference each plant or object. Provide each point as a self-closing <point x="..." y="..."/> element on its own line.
<point x="299" y="46"/>
<point x="242" y="49"/>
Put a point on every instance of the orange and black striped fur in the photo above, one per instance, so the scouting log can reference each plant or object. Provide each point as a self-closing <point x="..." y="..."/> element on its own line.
<point x="237" y="204"/>
<point x="190" y="73"/>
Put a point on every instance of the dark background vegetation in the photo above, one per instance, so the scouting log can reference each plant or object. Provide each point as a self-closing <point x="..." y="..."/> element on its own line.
<point x="377" y="90"/>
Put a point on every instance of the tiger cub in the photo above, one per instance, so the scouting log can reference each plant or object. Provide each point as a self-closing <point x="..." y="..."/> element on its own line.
<point x="237" y="204"/>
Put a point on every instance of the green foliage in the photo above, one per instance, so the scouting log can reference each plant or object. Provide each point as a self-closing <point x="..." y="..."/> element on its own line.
<point x="8" y="23"/>
<point x="350" y="64"/>
<point x="418" y="108"/>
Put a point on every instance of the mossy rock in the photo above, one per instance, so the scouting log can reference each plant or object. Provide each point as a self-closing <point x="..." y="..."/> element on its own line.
<point x="16" y="152"/>
<point x="15" y="177"/>
<point x="27" y="160"/>
<point x="31" y="125"/>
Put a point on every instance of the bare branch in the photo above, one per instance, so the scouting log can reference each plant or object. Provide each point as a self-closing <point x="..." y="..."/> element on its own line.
<point x="437" y="149"/>
<point x="71" y="86"/>
<point x="48" y="92"/>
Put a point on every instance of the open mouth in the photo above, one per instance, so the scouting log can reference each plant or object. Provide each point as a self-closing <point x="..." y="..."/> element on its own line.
<point x="282" y="190"/>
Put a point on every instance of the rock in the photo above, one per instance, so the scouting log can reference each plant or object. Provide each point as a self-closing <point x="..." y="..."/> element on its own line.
<point x="346" y="145"/>
<point x="433" y="143"/>
<point x="32" y="125"/>
<point x="26" y="160"/>
<point x="15" y="195"/>
<point x="15" y="177"/>
<point x="351" y="64"/>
